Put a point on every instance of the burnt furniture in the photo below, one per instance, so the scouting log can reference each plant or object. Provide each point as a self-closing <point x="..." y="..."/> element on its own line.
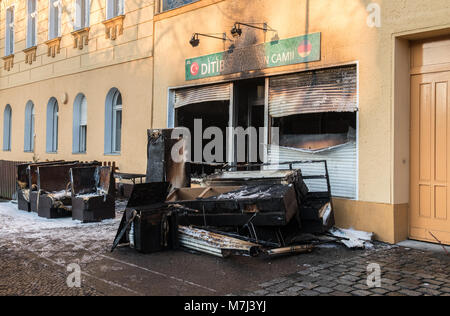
<point x="124" y="189"/>
<point x="23" y="188"/>
<point x="93" y="193"/>
<point x="272" y="205"/>
<point x="54" y="189"/>
<point x="54" y="195"/>
<point x="148" y="224"/>
<point x="33" y="180"/>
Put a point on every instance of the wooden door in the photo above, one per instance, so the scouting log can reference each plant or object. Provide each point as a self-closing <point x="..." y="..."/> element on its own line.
<point x="430" y="153"/>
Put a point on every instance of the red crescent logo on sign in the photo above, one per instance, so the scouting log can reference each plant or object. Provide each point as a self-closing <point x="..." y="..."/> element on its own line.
<point x="194" y="69"/>
<point x="304" y="49"/>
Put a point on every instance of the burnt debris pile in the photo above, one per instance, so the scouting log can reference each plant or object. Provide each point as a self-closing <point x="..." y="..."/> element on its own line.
<point x="214" y="209"/>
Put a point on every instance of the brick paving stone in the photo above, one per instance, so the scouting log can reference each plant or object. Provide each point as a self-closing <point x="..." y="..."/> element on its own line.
<point x="307" y="285"/>
<point x="278" y="287"/>
<point x="408" y="286"/>
<point x="433" y="281"/>
<point x="361" y="293"/>
<point x="326" y="283"/>
<point x="343" y="288"/>
<point x="323" y="290"/>
<point x="388" y="281"/>
<point x="430" y="286"/>
<point x="350" y="278"/>
<point x="261" y="292"/>
<point x="410" y="293"/>
<point x="428" y="291"/>
<point x="390" y="288"/>
<point x="337" y="293"/>
<point x="395" y="294"/>
<point x="361" y="286"/>
<point x="309" y="293"/>
<point x="344" y="282"/>
<point x="379" y="291"/>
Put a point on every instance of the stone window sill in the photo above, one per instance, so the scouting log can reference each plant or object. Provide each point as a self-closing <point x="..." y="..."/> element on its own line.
<point x="114" y="27"/>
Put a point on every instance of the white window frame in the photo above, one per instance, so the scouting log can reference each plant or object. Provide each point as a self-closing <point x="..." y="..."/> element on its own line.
<point x="32" y="22"/>
<point x="80" y="112"/>
<point x="111" y="110"/>
<point x="116" y="144"/>
<point x="52" y="9"/>
<point x="83" y="126"/>
<point x="82" y="14"/>
<point x="114" y="8"/>
<point x="9" y="30"/>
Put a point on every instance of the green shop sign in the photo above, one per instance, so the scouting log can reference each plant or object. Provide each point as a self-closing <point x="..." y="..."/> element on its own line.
<point x="284" y="52"/>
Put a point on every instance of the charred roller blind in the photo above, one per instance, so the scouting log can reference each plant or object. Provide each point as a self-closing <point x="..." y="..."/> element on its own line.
<point x="219" y="92"/>
<point x="325" y="90"/>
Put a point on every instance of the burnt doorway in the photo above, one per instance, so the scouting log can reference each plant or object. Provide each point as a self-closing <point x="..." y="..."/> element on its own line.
<point x="249" y="114"/>
<point x="200" y="117"/>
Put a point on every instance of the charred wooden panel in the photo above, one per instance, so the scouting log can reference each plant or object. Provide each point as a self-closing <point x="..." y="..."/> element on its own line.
<point x="83" y="180"/>
<point x="146" y="194"/>
<point x="160" y="165"/>
<point x="93" y="209"/>
<point x="105" y="180"/>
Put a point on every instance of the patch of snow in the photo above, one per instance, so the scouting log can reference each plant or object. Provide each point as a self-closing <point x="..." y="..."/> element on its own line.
<point x="353" y="238"/>
<point x="55" y="238"/>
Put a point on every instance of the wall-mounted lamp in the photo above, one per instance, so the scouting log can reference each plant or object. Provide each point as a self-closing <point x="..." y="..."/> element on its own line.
<point x="236" y="31"/>
<point x="195" y="41"/>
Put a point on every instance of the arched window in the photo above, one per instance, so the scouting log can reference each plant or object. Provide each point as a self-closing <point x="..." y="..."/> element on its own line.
<point x="52" y="126"/>
<point x="79" y="124"/>
<point x="113" y="122"/>
<point x="29" y="127"/>
<point x="7" y="115"/>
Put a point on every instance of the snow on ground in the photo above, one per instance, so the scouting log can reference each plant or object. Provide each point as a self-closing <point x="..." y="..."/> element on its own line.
<point x="48" y="237"/>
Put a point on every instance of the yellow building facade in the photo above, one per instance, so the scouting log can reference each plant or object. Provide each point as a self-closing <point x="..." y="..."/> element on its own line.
<point x="109" y="53"/>
<point x="375" y="37"/>
<point x="379" y="48"/>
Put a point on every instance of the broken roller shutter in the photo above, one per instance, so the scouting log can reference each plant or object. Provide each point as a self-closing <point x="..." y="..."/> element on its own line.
<point x="219" y="92"/>
<point x="327" y="90"/>
<point x="341" y="161"/>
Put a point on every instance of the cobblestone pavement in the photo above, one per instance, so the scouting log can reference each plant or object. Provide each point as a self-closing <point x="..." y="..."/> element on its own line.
<point x="404" y="272"/>
<point x="35" y="254"/>
<point x="26" y="275"/>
